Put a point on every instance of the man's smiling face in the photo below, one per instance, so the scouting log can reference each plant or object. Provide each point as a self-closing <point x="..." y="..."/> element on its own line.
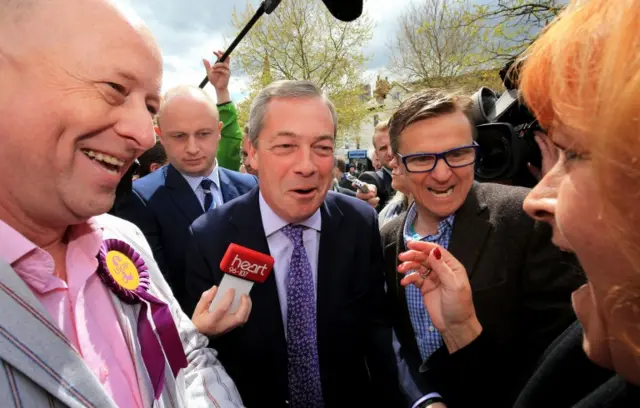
<point x="76" y="116"/>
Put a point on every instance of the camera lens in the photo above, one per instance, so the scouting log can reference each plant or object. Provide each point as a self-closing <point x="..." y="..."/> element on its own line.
<point x="494" y="155"/>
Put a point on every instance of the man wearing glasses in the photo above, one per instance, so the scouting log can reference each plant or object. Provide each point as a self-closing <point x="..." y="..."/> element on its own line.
<point x="520" y="281"/>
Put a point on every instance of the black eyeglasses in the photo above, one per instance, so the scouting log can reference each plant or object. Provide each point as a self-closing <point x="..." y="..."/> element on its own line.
<point x="424" y="162"/>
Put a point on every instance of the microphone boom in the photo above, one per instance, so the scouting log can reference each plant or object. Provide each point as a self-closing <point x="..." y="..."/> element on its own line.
<point x="267" y="7"/>
<point x="344" y="10"/>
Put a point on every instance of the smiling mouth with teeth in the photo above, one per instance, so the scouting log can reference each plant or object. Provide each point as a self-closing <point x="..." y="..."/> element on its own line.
<point x="110" y="163"/>
<point x="441" y="193"/>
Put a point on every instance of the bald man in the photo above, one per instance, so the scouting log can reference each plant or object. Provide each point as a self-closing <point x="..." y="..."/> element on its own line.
<point x="79" y="84"/>
<point x="165" y="203"/>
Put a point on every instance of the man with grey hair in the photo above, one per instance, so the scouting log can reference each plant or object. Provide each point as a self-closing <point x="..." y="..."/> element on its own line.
<point x="318" y="334"/>
<point x="79" y="85"/>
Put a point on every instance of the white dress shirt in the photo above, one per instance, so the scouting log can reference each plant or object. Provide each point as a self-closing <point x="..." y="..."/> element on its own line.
<point x="194" y="183"/>
<point x="281" y="249"/>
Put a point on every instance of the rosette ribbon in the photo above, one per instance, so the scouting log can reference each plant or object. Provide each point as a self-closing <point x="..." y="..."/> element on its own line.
<point x="124" y="271"/>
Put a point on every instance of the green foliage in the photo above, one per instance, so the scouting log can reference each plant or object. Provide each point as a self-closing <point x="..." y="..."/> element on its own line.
<point x="301" y="40"/>
<point x="472" y="81"/>
<point x="382" y="88"/>
<point x="266" y="78"/>
<point x="460" y="44"/>
<point x="431" y="47"/>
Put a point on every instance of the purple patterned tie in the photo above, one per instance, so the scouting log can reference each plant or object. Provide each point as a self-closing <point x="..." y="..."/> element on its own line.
<point x="304" y="370"/>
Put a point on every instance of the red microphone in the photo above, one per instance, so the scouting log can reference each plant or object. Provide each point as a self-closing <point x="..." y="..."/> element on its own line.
<point x="242" y="267"/>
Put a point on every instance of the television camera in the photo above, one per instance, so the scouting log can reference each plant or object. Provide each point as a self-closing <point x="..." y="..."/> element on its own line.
<point x="505" y="133"/>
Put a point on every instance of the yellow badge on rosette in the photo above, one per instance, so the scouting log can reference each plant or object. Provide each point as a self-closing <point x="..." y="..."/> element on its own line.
<point x="122" y="270"/>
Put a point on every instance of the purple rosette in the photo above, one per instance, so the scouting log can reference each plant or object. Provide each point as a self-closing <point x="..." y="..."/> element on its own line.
<point x="126" y="295"/>
<point x="167" y="333"/>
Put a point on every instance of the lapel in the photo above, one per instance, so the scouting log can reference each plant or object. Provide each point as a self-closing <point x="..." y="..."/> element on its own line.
<point x="470" y="229"/>
<point x="328" y="270"/>
<point x="393" y="249"/>
<point x="32" y="344"/>
<point x="182" y="194"/>
<point x="386" y="178"/>
<point x="228" y="189"/>
<point x="266" y="317"/>
<point x="330" y="276"/>
<point x="128" y="318"/>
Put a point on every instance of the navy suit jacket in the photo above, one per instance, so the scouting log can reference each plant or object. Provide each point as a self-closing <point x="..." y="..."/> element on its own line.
<point x="357" y="364"/>
<point x="163" y="206"/>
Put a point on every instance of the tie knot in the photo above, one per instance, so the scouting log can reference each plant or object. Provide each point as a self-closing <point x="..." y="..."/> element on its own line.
<point x="206" y="185"/>
<point x="293" y="232"/>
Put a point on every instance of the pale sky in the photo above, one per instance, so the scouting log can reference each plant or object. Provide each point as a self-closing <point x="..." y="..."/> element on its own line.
<point x="189" y="30"/>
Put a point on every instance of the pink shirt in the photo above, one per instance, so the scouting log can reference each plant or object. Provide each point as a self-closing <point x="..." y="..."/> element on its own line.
<point x="81" y="307"/>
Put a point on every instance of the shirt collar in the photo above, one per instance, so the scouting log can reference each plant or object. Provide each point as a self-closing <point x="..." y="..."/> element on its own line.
<point x="13" y="245"/>
<point x="412" y="214"/>
<point x="272" y="222"/>
<point x="85" y="237"/>
<point x="194" y="181"/>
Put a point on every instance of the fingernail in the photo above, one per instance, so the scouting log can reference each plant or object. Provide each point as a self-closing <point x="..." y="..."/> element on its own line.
<point x="437" y="254"/>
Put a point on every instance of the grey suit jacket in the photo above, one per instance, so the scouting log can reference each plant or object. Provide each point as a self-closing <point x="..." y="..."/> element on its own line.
<point x="41" y="369"/>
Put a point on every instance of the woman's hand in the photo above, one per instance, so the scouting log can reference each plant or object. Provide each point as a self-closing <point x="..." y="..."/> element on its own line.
<point x="445" y="289"/>
<point x="219" y="321"/>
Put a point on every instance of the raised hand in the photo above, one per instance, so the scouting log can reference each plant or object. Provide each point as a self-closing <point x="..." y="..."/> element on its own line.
<point x="219" y="75"/>
<point x="445" y="289"/>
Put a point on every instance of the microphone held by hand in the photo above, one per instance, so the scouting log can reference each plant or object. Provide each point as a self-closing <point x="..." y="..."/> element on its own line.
<point x="242" y="267"/>
<point x="246" y="263"/>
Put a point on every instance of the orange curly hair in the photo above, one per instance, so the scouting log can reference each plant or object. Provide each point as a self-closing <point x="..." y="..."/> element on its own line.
<point x="584" y="71"/>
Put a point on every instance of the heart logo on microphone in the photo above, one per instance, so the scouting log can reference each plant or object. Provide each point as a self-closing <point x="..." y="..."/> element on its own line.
<point x="246" y="263"/>
<point x="243" y="268"/>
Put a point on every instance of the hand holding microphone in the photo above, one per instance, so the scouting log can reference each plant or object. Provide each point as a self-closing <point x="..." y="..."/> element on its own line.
<point x="242" y="267"/>
<point x="216" y="321"/>
<point x="224" y="308"/>
<point x="366" y="192"/>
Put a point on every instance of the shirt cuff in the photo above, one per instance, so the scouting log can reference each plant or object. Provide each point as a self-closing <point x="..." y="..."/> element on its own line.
<point x="425" y="398"/>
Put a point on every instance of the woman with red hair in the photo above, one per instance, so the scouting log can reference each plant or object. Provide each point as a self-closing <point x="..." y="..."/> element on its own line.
<point x="581" y="78"/>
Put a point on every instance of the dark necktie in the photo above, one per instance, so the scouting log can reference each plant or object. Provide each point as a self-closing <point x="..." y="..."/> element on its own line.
<point x="305" y="389"/>
<point x="208" y="196"/>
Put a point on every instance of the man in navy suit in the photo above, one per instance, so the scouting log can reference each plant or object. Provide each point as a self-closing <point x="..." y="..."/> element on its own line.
<point x="318" y="334"/>
<point x="165" y="203"/>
